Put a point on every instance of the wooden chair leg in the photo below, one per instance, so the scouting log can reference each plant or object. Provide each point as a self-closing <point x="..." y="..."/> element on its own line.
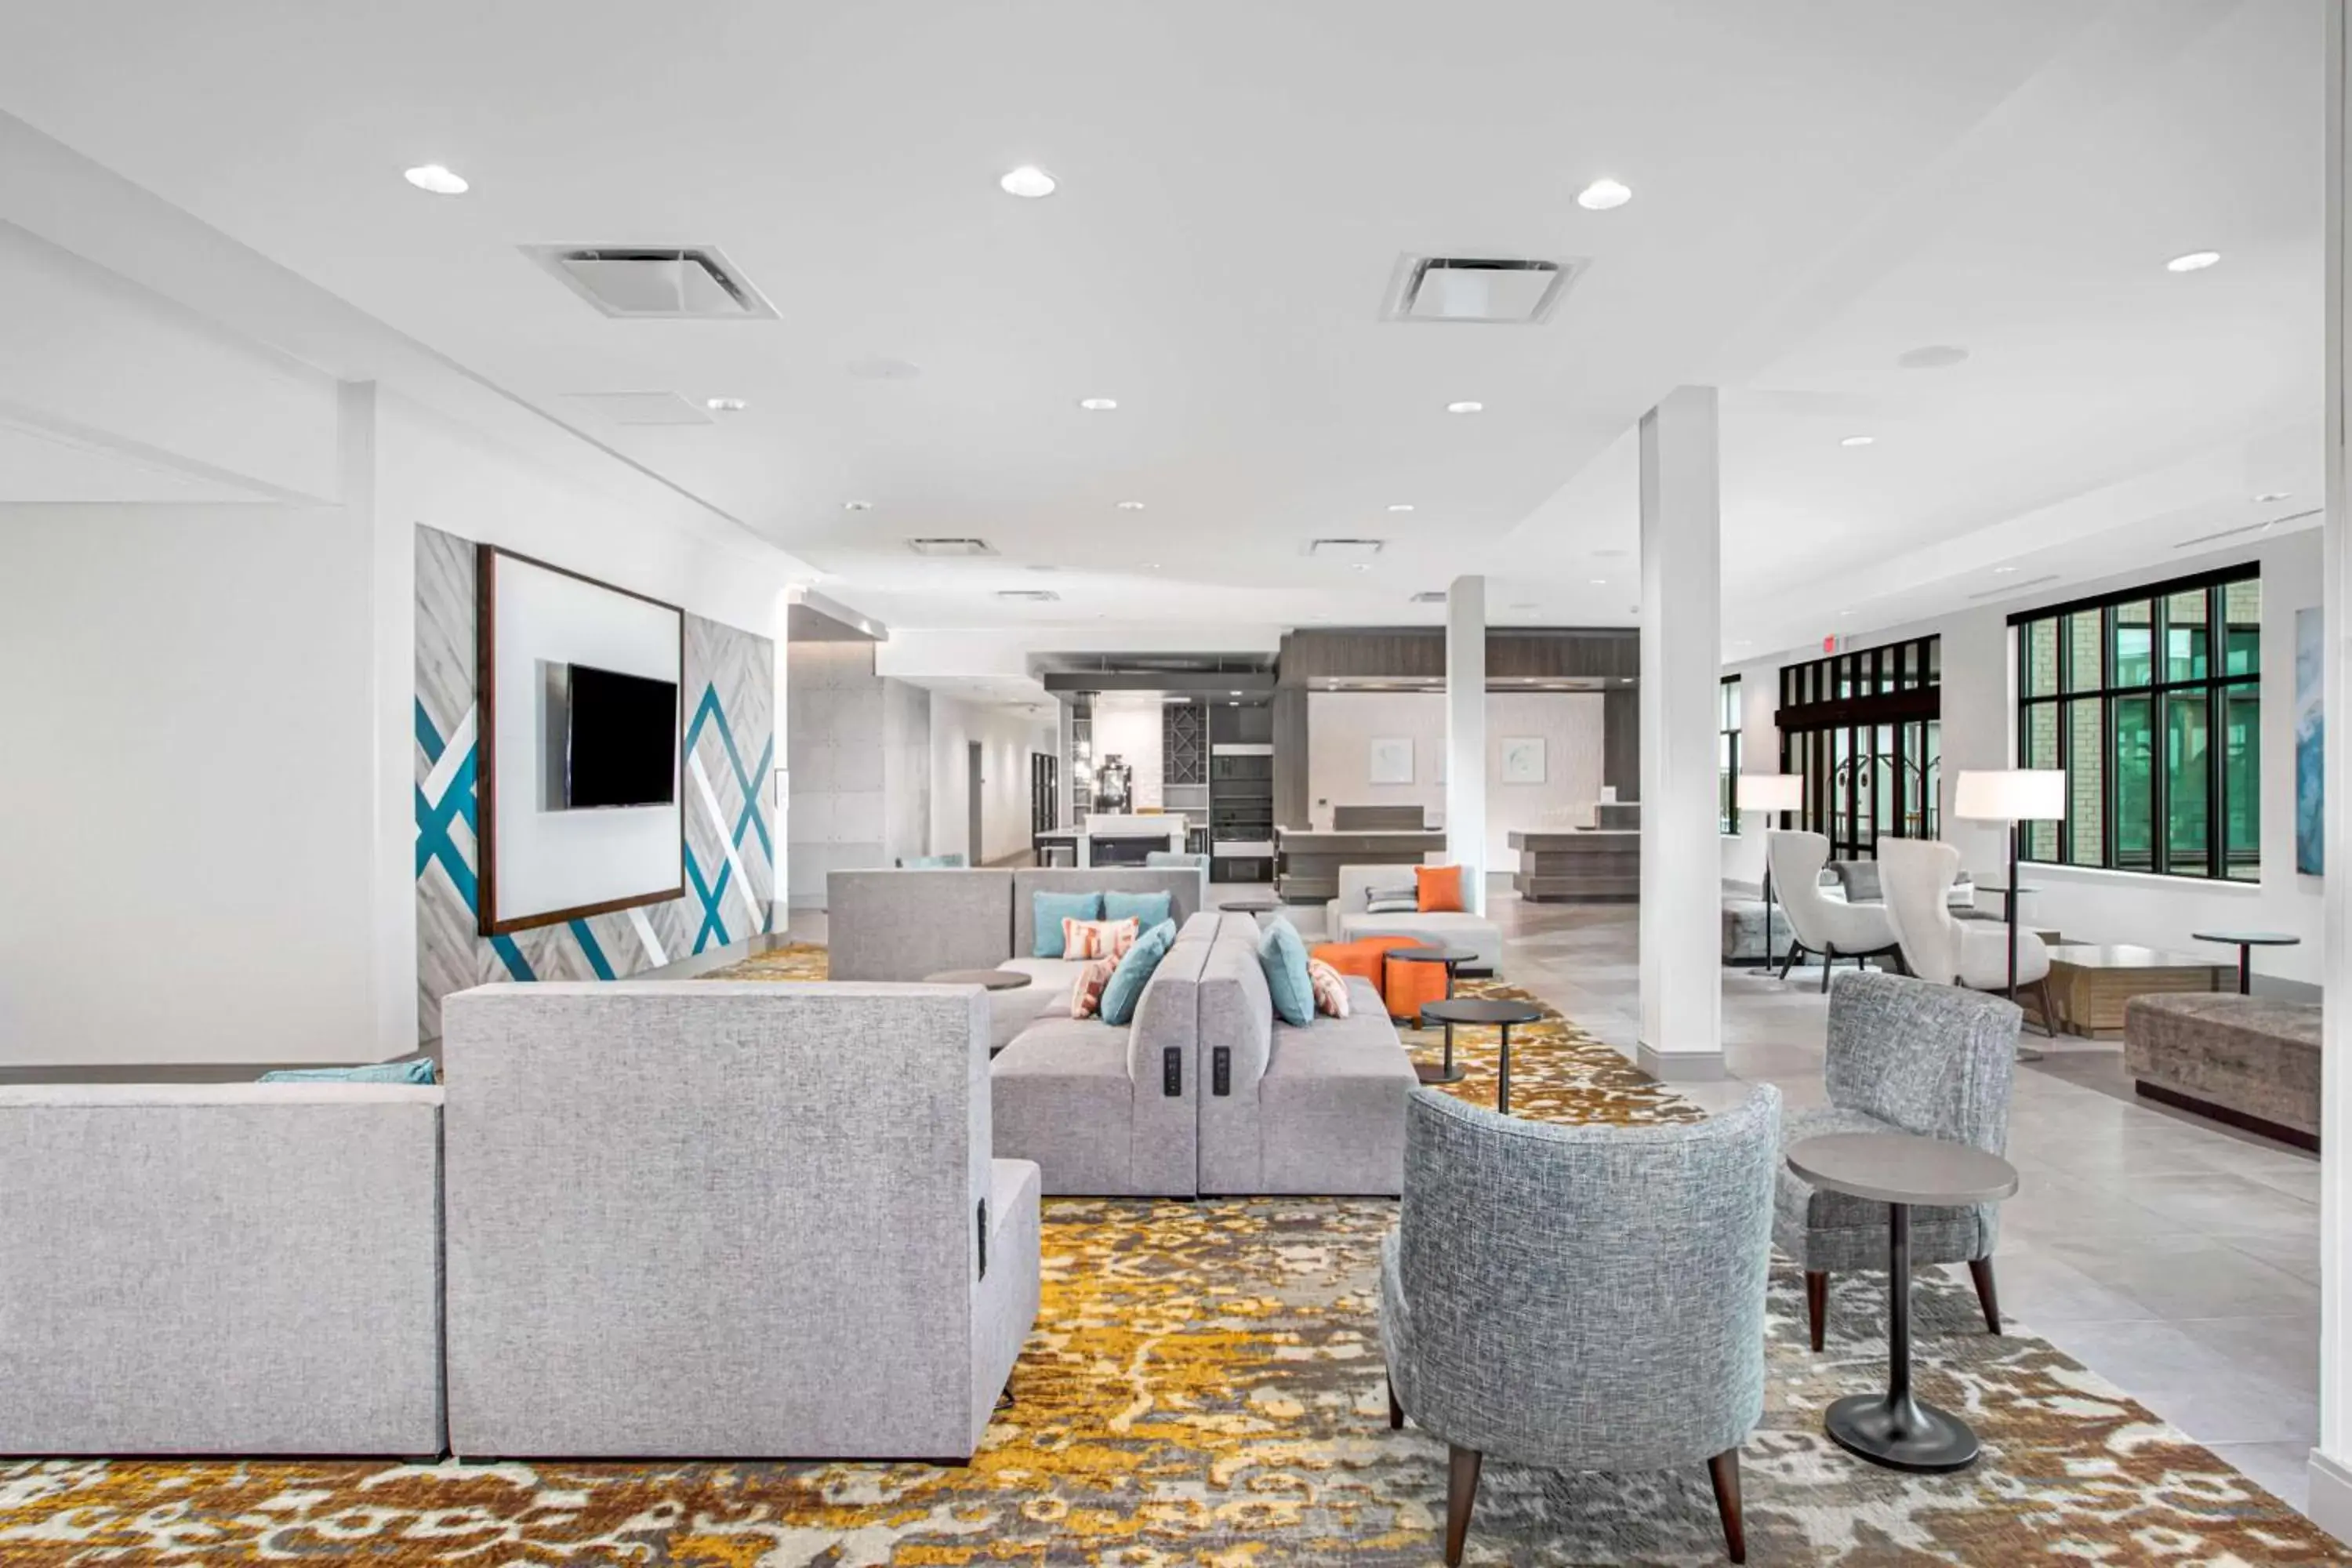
<point x="1461" y="1491"/>
<point x="1724" y="1471"/>
<point x="1396" y="1411"/>
<point x="2042" y="1002"/>
<point x="1817" y="1303"/>
<point x="1981" y="1270"/>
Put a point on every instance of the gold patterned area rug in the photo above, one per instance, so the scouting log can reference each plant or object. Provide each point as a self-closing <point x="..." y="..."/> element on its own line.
<point x="1204" y="1386"/>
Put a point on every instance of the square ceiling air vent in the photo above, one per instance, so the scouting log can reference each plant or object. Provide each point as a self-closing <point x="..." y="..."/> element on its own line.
<point x="655" y="282"/>
<point x="951" y="547"/>
<point x="1466" y="290"/>
<point x="1029" y="596"/>
<point x="641" y="408"/>
<point x="1344" y="549"/>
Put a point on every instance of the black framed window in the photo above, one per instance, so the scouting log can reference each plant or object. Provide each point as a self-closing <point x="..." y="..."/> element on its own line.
<point x="1865" y="730"/>
<point x="1727" y="756"/>
<point x="2150" y="700"/>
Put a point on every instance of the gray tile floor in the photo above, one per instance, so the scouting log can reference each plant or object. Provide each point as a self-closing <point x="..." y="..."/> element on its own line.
<point x="2179" y="1259"/>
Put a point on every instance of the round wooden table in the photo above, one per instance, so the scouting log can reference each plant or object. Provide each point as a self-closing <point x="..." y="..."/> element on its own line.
<point x="1500" y="1014"/>
<point x="2245" y="942"/>
<point x="986" y="979"/>
<point x="1899" y="1169"/>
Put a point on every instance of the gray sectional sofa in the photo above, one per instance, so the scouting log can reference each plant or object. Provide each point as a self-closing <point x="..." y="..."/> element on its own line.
<point x="1318" y="1109"/>
<point x="249" y="1269"/>
<point x="736" y="1220"/>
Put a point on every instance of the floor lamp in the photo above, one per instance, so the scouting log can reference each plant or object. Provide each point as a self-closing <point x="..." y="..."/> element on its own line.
<point x="2012" y="796"/>
<point x="1771" y="794"/>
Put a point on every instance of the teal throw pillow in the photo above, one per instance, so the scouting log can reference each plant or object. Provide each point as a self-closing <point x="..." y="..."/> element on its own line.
<point x="409" y="1070"/>
<point x="1134" y="972"/>
<point x="1284" y="958"/>
<point x="1149" y="909"/>
<point x="1053" y="908"/>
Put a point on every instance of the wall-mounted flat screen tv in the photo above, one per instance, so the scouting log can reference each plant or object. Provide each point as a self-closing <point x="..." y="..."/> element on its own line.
<point x="620" y="739"/>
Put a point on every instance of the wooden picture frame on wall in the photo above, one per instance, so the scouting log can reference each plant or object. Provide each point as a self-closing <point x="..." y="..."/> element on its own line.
<point x="489" y="921"/>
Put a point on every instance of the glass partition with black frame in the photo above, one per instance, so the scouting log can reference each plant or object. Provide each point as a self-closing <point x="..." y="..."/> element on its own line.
<point x="2151" y="700"/>
<point x="1865" y="730"/>
<point x="1727" y="756"/>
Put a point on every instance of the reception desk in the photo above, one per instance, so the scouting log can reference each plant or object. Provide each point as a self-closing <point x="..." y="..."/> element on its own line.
<point x="1306" y="862"/>
<point x="1579" y="865"/>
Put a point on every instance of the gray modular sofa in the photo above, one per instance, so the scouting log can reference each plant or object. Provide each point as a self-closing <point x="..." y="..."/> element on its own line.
<point x="1345" y="918"/>
<point x="906" y="925"/>
<point x="1318" y="1109"/>
<point x="737" y="1221"/>
<point x="1107" y="1109"/>
<point x="2251" y="1061"/>
<point x="246" y="1269"/>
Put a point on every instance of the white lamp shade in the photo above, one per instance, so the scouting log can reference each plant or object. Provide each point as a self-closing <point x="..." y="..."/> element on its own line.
<point x="1772" y="792"/>
<point x="2011" y="794"/>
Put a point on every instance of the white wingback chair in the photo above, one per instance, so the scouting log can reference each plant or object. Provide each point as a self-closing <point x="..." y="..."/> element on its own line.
<point x="1829" y="927"/>
<point x="1917" y="874"/>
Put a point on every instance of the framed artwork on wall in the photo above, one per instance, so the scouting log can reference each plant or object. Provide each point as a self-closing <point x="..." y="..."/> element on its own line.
<point x="1391" y="760"/>
<point x="2310" y="740"/>
<point x="1523" y="759"/>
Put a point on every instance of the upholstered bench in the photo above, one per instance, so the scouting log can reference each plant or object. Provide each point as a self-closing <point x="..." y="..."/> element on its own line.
<point x="1743" y="929"/>
<point x="2251" y="1061"/>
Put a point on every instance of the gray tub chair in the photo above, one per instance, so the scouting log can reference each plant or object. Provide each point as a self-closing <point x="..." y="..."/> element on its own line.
<point x="1904" y="1056"/>
<point x="1581" y="1298"/>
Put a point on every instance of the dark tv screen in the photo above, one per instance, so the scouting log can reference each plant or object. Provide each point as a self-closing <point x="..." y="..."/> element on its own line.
<point x="622" y="743"/>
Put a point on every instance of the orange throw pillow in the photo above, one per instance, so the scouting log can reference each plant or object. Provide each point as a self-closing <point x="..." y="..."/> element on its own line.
<point x="1439" y="888"/>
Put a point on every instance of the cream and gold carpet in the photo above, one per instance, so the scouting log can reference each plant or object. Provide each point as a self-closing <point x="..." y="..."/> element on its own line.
<point x="1204" y="1386"/>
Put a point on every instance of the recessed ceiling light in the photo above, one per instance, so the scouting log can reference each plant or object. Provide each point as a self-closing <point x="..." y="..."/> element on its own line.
<point x="1600" y="582"/>
<point x="1934" y="356"/>
<point x="1098" y="404"/>
<point x="725" y="405"/>
<point x="433" y="177"/>
<point x="2002" y="571"/>
<point x="2274" y="495"/>
<point x="1233" y="694"/>
<point x="1857" y="440"/>
<point x="1400" y="506"/>
<point x="1465" y="407"/>
<point x="2195" y="261"/>
<point x="1155" y="566"/>
<point x="1604" y="193"/>
<point x="1028" y="181"/>
<point x="857" y="506"/>
<point x="1130" y="506"/>
<point x="1363" y="566"/>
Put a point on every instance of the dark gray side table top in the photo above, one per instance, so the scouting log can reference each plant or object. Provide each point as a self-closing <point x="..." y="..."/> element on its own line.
<point x="2249" y="938"/>
<point x="986" y="979"/>
<point x="1902" y="1168"/>
<point x="1430" y="955"/>
<point x="1481" y="1010"/>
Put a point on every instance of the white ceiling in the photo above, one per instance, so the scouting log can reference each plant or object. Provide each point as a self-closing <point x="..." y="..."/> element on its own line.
<point x="38" y="467"/>
<point x="1817" y="189"/>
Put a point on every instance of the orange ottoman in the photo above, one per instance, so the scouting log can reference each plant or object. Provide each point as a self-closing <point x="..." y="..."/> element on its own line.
<point x="1404" y="988"/>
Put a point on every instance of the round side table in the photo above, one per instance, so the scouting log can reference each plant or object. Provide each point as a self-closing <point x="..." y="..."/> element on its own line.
<point x="1897" y="1429"/>
<point x="1484" y="1010"/>
<point x="2245" y="942"/>
<point x="986" y="979"/>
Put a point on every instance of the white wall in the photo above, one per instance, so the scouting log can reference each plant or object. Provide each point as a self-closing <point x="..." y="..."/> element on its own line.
<point x="1129" y="725"/>
<point x="1006" y="739"/>
<point x="185" y="822"/>
<point x="1342" y="725"/>
<point x="1759" y="752"/>
<point x="1980" y="725"/>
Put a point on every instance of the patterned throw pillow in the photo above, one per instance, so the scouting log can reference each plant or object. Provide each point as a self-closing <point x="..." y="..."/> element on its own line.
<point x="1395" y="899"/>
<point x="1331" y="988"/>
<point x="1098" y="938"/>
<point x="1085" y="996"/>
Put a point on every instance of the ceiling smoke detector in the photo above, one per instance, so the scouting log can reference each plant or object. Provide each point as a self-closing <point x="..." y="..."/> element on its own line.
<point x="655" y="282"/>
<point x="951" y="547"/>
<point x="1029" y="596"/>
<point x="1471" y="291"/>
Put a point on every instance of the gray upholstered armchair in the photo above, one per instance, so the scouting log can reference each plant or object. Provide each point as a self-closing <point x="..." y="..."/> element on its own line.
<point x="1581" y="1298"/>
<point x="1904" y="1056"/>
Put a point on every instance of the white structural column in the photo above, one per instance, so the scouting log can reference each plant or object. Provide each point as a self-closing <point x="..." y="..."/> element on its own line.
<point x="1681" y="874"/>
<point x="1465" y="736"/>
<point x="2331" y="1462"/>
